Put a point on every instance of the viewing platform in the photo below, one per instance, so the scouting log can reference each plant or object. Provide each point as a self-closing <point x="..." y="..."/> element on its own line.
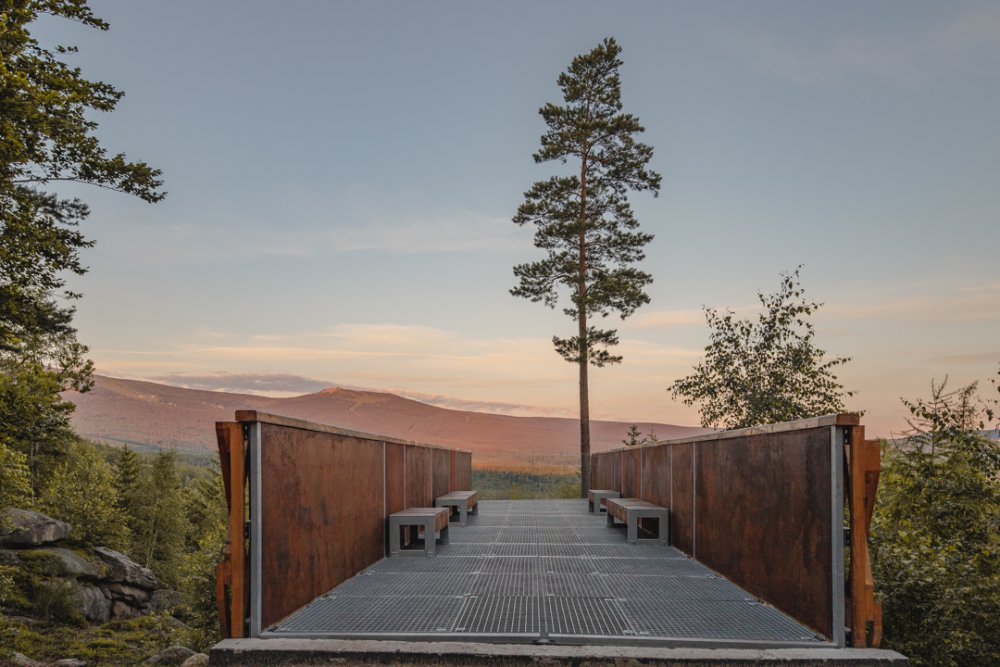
<point x="749" y="566"/>
<point x="545" y="570"/>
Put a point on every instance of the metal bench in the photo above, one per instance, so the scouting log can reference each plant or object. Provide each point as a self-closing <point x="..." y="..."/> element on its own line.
<point x="464" y="501"/>
<point x="596" y="496"/>
<point x="630" y="510"/>
<point x="433" y="520"/>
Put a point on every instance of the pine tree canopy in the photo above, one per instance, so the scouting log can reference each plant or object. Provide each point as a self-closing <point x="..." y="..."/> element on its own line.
<point x="583" y="220"/>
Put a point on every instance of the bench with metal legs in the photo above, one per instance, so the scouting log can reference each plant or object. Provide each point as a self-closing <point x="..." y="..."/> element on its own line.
<point x="631" y="510"/>
<point x="464" y="501"/>
<point x="595" y="498"/>
<point x="433" y="521"/>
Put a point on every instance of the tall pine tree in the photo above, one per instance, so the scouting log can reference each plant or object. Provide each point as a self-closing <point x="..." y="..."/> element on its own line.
<point x="584" y="220"/>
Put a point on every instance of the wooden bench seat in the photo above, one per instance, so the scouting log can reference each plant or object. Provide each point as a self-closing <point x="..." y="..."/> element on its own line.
<point x="630" y="510"/>
<point x="595" y="498"/>
<point x="433" y="520"/>
<point x="465" y="502"/>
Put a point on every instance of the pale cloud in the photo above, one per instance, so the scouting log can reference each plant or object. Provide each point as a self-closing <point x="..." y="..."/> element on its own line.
<point x="961" y="44"/>
<point x="662" y="319"/>
<point x="491" y="407"/>
<point x="959" y="305"/>
<point x="306" y="224"/>
<point x="975" y="359"/>
<point x="648" y="353"/>
<point x="975" y="27"/>
<point x="265" y="384"/>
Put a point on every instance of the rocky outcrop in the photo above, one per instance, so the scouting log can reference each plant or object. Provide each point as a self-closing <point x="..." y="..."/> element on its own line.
<point x="106" y="584"/>
<point x="25" y="528"/>
<point x="175" y="655"/>
<point x="94" y="604"/>
<point x="121" y="568"/>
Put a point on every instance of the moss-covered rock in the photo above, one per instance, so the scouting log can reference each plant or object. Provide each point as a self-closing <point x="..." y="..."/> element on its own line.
<point x="25" y="528"/>
<point x="114" y="644"/>
<point x="62" y="562"/>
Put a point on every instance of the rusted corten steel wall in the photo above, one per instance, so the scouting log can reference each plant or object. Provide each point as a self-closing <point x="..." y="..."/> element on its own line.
<point x="319" y="498"/>
<point x="763" y="511"/>
<point x="602" y="472"/>
<point x="682" y="496"/>
<point x="631" y="474"/>
<point x="758" y="506"/>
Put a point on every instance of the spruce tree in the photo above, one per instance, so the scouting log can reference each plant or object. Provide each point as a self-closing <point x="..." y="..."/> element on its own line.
<point x="160" y="524"/>
<point x="128" y="470"/>
<point x="584" y="221"/>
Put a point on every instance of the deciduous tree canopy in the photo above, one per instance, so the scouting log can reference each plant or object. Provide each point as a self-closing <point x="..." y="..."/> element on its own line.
<point x="47" y="137"/>
<point x="766" y="371"/>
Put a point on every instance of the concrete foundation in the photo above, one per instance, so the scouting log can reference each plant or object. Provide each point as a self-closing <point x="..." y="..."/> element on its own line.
<point x="292" y="652"/>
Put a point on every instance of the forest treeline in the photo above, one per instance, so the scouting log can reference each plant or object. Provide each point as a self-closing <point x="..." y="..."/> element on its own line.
<point x="165" y="513"/>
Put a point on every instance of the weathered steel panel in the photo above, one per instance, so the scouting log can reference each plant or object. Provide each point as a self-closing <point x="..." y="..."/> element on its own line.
<point x="601" y="471"/>
<point x="395" y="482"/>
<point x="616" y="471"/>
<point x="763" y="518"/>
<point x="631" y="474"/>
<point x="464" y="467"/>
<point x="453" y="472"/>
<point x="318" y="527"/>
<point x="441" y="475"/>
<point x="682" y="509"/>
<point x="419" y="477"/>
<point x="656" y="475"/>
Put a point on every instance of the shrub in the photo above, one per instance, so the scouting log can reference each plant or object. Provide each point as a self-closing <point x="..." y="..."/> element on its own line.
<point x="936" y="534"/>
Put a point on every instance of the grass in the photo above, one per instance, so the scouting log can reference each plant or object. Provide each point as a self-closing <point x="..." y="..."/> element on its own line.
<point x="114" y="644"/>
<point x="521" y="485"/>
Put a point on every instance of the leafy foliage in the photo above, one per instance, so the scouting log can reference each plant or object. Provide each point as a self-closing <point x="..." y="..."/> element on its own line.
<point x="151" y="506"/>
<point x="584" y="221"/>
<point x="936" y="533"/>
<point x="47" y="136"/>
<point x="34" y="420"/>
<point x="766" y="371"/>
<point x="205" y="509"/>
<point x="158" y="518"/>
<point x="15" y="478"/>
<point x="81" y="491"/>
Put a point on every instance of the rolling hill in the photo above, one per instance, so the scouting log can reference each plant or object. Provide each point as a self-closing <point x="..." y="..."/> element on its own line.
<point x="145" y="414"/>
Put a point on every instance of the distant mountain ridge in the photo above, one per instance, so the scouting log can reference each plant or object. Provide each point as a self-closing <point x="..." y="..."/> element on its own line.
<point x="146" y="414"/>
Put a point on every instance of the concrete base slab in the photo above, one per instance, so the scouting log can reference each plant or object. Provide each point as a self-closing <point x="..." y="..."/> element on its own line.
<point x="289" y="652"/>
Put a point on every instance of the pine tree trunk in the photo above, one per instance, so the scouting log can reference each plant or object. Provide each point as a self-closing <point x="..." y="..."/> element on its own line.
<point x="584" y="421"/>
<point x="581" y="319"/>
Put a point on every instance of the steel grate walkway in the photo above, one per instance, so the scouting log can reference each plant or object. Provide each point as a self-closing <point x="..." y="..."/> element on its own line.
<point x="545" y="571"/>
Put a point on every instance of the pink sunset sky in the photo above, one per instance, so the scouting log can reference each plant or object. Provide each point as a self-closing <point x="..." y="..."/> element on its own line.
<point x="342" y="176"/>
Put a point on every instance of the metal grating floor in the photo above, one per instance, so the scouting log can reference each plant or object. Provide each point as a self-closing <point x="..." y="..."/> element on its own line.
<point x="545" y="571"/>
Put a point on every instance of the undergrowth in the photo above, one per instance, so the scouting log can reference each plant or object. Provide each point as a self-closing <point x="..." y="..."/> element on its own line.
<point x="114" y="644"/>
